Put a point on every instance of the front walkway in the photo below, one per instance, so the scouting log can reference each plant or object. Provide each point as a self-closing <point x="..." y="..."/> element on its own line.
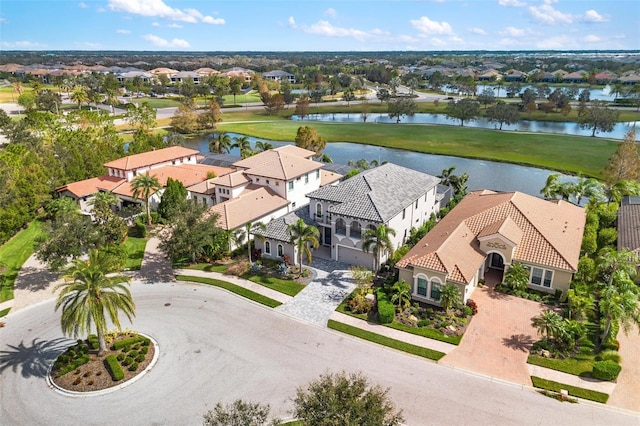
<point x="627" y="391"/>
<point x="498" y="338"/>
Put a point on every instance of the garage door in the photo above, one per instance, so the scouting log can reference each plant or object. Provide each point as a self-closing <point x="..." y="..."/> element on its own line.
<point x="354" y="257"/>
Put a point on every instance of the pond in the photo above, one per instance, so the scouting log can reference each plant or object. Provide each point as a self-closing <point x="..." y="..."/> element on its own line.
<point x="567" y="128"/>
<point x="482" y="174"/>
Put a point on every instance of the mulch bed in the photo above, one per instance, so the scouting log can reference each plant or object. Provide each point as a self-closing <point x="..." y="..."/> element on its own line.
<point x="93" y="376"/>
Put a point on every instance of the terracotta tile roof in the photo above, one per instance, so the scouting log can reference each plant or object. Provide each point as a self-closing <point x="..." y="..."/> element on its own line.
<point x="150" y="158"/>
<point x="629" y="224"/>
<point x="279" y="163"/>
<point x="549" y="233"/>
<point x="188" y="174"/>
<point x="87" y="187"/>
<point x="327" y="177"/>
<point x="232" y="180"/>
<point x="296" y="150"/>
<point x="255" y="202"/>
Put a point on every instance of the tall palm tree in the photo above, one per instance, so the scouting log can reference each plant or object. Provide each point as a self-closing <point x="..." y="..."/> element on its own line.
<point x="446" y="176"/>
<point x="612" y="263"/>
<point x="263" y="146"/>
<point x="377" y="241"/>
<point x="303" y="237"/>
<point x="79" y="96"/>
<point x="243" y="143"/>
<point x="144" y="186"/>
<point x="93" y="297"/>
<point x="619" y="304"/>
<point x="450" y="297"/>
<point x="586" y="187"/>
<point x="248" y="227"/>
<point x="621" y="188"/>
<point x="221" y="143"/>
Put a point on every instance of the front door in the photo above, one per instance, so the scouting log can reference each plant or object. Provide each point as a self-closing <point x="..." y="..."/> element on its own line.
<point x="497" y="262"/>
<point x="327" y="236"/>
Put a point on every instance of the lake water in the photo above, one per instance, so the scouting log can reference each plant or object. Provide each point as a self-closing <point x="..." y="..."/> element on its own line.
<point x="567" y="128"/>
<point x="482" y="174"/>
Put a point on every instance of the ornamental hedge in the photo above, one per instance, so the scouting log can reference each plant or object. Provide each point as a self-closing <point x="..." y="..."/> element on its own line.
<point x="114" y="368"/>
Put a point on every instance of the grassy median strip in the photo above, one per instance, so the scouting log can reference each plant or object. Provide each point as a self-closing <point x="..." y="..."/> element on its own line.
<point x="135" y="252"/>
<point x="14" y="253"/>
<point x="570" y="365"/>
<point x="385" y="341"/>
<point x="429" y="333"/>
<point x="573" y="390"/>
<point x="288" y="287"/>
<point x="241" y="291"/>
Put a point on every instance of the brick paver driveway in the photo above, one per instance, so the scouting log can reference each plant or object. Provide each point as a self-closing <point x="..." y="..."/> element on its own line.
<point x="498" y="338"/>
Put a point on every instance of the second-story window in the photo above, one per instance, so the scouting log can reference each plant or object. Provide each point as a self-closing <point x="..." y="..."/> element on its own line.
<point x="306" y="178"/>
<point x="291" y="185"/>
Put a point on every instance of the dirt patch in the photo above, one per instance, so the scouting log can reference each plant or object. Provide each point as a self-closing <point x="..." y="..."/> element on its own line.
<point x="94" y="376"/>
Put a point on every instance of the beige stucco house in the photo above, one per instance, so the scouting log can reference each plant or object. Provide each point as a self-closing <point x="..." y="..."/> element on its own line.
<point x="488" y="231"/>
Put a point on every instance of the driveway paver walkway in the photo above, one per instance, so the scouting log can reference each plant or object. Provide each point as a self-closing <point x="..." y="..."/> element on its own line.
<point x="627" y="392"/>
<point x="317" y="301"/>
<point x="498" y="338"/>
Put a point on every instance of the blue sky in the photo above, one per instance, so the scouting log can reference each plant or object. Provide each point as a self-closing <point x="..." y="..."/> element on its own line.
<point x="319" y="25"/>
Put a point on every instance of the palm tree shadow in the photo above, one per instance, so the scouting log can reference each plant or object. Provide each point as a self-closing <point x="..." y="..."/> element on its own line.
<point x="520" y="342"/>
<point x="35" y="359"/>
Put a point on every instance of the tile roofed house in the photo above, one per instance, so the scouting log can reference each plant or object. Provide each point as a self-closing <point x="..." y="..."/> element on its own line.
<point x="389" y="195"/>
<point x="629" y="226"/>
<point x="131" y="165"/>
<point x="256" y="204"/>
<point x="489" y="231"/>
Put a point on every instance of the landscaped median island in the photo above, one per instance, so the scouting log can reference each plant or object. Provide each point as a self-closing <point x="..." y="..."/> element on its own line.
<point x="572" y="390"/>
<point x="81" y="369"/>
<point x="241" y="291"/>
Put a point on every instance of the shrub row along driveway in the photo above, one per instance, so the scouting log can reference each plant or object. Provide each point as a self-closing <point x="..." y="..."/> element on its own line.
<point x="219" y="347"/>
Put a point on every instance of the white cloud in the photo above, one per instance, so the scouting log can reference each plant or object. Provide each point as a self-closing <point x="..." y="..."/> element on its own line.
<point x="174" y="26"/>
<point x="331" y="12"/>
<point x="477" y="31"/>
<point x="546" y="14"/>
<point x="155" y="24"/>
<point x="101" y="10"/>
<point x="513" y="32"/>
<point x="326" y="29"/>
<point x="160" y="42"/>
<point x="593" y="16"/>
<point x="23" y="44"/>
<point x="158" y="9"/>
<point x="213" y="21"/>
<point x="292" y="22"/>
<point x="511" y="3"/>
<point x="82" y="5"/>
<point x="120" y="31"/>
<point x="3" y="20"/>
<point x="427" y="26"/>
<point x="591" y="38"/>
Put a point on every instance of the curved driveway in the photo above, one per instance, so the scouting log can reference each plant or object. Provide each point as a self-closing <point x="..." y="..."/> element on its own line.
<point x="218" y="347"/>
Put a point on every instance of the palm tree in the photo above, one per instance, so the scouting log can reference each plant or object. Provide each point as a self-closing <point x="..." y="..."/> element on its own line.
<point x="221" y="143"/>
<point x="401" y="295"/>
<point x="517" y="276"/>
<point x="450" y="297"/>
<point x="145" y="185"/>
<point x="394" y="83"/>
<point x="377" y="240"/>
<point x="79" y="96"/>
<point x="303" y="236"/>
<point x="263" y="146"/>
<point x="586" y="187"/>
<point x="619" y="304"/>
<point x="93" y="297"/>
<point x="446" y="176"/>
<point x="551" y="187"/>
<point x="243" y="143"/>
<point x="248" y="227"/>
<point x="621" y="188"/>
<point x="548" y="323"/>
<point x="612" y="264"/>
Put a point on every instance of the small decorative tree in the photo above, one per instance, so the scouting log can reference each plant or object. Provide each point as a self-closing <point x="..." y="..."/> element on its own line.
<point x="517" y="277"/>
<point x="450" y="297"/>
<point x="401" y="296"/>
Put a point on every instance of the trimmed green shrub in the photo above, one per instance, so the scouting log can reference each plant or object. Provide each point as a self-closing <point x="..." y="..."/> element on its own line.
<point x="606" y="370"/>
<point x="133" y="353"/>
<point x="120" y="357"/>
<point x="144" y="350"/>
<point x="424" y="323"/>
<point x="127" y="361"/>
<point x="467" y="311"/>
<point x="610" y="355"/>
<point x="133" y="367"/>
<point x="93" y="341"/>
<point x="140" y="358"/>
<point x="74" y="364"/>
<point x="386" y="310"/>
<point x="120" y="344"/>
<point x="114" y="368"/>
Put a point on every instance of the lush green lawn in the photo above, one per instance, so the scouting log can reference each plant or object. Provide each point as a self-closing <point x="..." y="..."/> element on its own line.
<point x="577" y="367"/>
<point x="427" y="332"/>
<point x="135" y="249"/>
<point x="572" y="154"/>
<point x="288" y="287"/>
<point x="385" y="341"/>
<point x="204" y="267"/>
<point x="241" y="291"/>
<point x="14" y="253"/>
<point x="573" y="390"/>
<point x="4" y="312"/>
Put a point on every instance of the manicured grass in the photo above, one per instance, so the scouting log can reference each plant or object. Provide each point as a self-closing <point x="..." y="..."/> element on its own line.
<point x="577" y="367"/>
<point x="156" y="102"/>
<point x="385" y="341"/>
<point x="427" y="332"/>
<point x="135" y="249"/>
<point x="205" y="267"/>
<point x="572" y="154"/>
<point x="4" y="312"/>
<point x="14" y="253"/>
<point x="241" y="291"/>
<point x="573" y="390"/>
<point x="288" y="287"/>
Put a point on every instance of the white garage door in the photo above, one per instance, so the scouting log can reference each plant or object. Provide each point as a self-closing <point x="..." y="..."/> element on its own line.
<point x="354" y="257"/>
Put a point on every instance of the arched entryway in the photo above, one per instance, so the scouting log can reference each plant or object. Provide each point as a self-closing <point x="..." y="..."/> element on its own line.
<point x="494" y="271"/>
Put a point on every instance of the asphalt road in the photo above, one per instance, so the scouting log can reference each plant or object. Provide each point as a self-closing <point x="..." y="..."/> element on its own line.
<point x="215" y="346"/>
